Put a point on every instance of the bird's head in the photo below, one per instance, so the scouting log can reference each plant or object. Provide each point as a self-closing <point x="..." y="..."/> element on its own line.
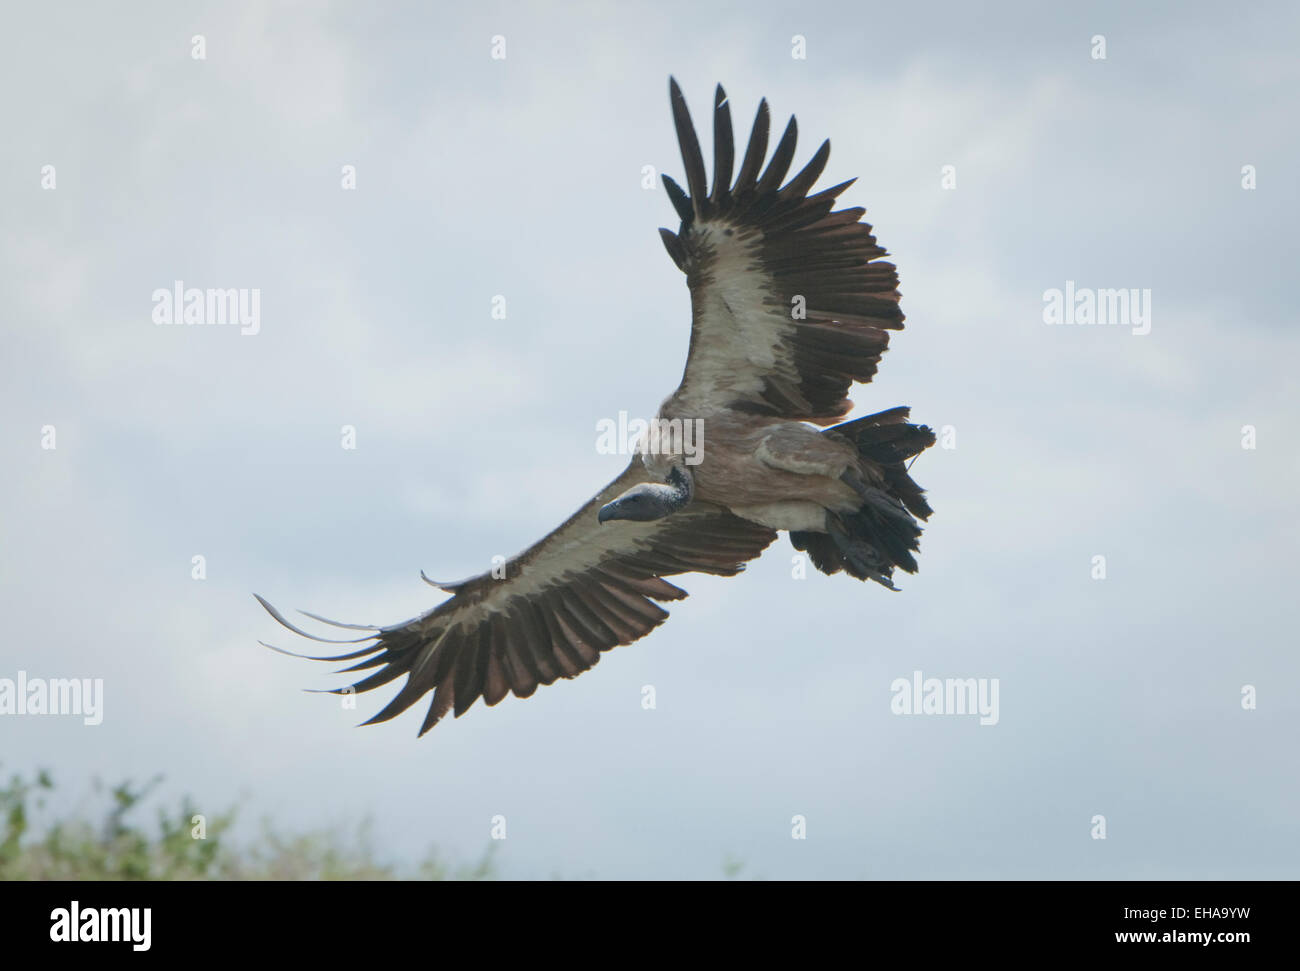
<point x="651" y="500"/>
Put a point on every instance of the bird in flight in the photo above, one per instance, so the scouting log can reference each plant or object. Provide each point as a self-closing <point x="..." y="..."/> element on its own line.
<point x="790" y="305"/>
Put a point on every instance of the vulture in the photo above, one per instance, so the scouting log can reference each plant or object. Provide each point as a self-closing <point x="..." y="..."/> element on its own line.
<point x="791" y="304"/>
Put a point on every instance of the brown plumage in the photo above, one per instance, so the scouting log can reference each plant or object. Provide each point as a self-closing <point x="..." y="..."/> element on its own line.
<point x="807" y="259"/>
<point x="790" y="306"/>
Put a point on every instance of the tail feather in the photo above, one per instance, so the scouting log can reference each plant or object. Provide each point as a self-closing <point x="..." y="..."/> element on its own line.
<point x="821" y="549"/>
<point x="882" y="533"/>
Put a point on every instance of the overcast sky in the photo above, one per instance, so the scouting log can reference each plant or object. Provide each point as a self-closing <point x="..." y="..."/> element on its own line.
<point x="522" y="177"/>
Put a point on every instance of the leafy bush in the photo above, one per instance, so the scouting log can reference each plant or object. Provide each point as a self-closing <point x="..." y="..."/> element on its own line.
<point x="186" y="845"/>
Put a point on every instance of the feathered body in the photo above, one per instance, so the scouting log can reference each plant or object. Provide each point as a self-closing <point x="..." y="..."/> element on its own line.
<point x="791" y="304"/>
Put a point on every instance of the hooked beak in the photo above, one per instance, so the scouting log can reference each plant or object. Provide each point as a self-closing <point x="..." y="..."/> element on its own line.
<point x="648" y="501"/>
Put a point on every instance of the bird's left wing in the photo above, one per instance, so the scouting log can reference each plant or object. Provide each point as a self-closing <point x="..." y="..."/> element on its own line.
<point x="549" y="612"/>
<point x="790" y="303"/>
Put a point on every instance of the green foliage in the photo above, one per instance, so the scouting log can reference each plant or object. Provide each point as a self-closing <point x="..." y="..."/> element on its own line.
<point x="185" y="845"/>
<point x="731" y="866"/>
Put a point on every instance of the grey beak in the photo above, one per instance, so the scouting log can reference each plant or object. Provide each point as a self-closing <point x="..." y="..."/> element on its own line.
<point x="606" y="513"/>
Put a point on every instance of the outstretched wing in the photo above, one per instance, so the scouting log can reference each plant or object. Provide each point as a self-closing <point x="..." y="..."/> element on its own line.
<point x="790" y="303"/>
<point x="585" y="588"/>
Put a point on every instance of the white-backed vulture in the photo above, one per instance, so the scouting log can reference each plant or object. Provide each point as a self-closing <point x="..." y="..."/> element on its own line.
<point x="791" y="304"/>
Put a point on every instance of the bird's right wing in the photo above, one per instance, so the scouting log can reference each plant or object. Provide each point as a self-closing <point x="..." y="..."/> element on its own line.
<point x="549" y="612"/>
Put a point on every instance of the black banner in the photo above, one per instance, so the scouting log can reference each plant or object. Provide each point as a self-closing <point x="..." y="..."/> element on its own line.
<point x="332" y="920"/>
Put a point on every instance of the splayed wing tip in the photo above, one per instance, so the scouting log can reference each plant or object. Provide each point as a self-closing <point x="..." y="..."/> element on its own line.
<point x="281" y="650"/>
<point x="446" y="586"/>
<point x="283" y="622"/>
<point x="336" y="623"/>
<point x="350" y="656"/>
